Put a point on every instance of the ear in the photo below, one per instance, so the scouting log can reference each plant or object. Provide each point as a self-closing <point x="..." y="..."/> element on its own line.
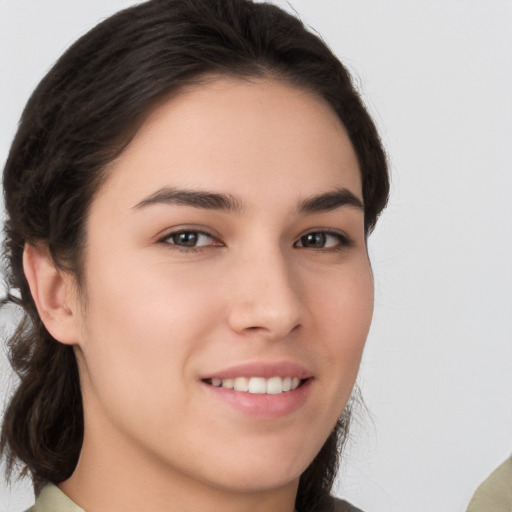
<point x="54" y="294"/>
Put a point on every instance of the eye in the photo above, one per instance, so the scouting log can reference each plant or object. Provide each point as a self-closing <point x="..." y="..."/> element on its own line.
<point x="190" y="239"/>
<point x="322" y="240"/>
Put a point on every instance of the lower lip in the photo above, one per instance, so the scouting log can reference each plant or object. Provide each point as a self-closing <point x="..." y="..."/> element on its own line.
<point x="263" y="405"/>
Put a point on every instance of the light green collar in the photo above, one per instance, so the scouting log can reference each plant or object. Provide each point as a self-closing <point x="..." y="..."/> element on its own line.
<point x="52" y="499"/>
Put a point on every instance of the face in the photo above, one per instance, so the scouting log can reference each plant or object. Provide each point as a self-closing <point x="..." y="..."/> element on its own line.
<point x="227" y="289"/>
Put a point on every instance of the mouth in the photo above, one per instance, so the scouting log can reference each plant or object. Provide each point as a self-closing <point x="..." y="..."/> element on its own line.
<point x="261" y="389"/>
<point x="258" y="385"/>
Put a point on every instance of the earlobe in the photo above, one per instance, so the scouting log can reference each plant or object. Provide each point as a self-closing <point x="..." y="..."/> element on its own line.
<point x="52" y="291"/>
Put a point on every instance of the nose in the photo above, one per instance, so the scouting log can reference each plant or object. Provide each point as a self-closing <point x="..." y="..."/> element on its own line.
<point x="266" y="298"/>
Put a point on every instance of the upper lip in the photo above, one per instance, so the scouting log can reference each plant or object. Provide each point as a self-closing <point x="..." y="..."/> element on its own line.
<point x="265" y="369"/>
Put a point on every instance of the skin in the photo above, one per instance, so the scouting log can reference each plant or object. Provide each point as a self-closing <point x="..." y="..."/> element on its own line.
<point x="154" y="318"/>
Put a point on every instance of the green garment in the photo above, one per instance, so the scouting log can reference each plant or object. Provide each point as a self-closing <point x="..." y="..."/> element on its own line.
<point x="495" y="494"/>
<point x="52" y="499"/>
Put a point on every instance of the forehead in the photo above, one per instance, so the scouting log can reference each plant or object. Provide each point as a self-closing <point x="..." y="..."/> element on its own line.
<point x="239" y="134"/>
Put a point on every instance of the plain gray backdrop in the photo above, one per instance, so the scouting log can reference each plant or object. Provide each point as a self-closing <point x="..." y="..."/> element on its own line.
<point x="436" y="375"/>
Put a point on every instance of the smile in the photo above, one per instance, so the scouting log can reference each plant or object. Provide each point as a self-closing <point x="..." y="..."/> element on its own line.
<point x="257" y="385"/>
<point x="262" y="389"/>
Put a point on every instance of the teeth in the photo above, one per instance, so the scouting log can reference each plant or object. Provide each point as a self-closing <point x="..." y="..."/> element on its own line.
<point x="227" y="383"/>
<point x="274" y="386"/>
<point x="259" y="385"/>
<point x="241" y="384"/>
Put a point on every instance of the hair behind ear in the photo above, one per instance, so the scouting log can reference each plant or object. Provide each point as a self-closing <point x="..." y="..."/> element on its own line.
<point x="43" y="424"/>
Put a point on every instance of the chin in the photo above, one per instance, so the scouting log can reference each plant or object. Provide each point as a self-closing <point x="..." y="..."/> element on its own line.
<point x="256" y="480"/>
<point x="266" y="470"/>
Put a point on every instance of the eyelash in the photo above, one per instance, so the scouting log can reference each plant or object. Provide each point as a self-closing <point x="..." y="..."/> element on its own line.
<point x="197" y="233"/>
<point x="343" y="241"/>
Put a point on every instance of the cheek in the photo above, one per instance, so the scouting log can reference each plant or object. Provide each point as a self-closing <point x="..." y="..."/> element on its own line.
<point x="151" y="298"/>
<point x="143" y="325"/>
<point x="344" y="313"/>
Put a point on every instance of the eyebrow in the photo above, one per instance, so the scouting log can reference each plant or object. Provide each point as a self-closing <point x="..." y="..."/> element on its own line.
<point x="330" y="201"/>
<point x="197" y="199"/>
<point x="226" y="202"/>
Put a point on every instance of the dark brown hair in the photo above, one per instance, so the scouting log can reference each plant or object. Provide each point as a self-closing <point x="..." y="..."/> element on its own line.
<point x="81" y="116"/>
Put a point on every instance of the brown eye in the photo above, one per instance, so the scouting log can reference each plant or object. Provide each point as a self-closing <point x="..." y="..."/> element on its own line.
<point x="321" y="240"/>
<point x="189" y="239"/>
<point x="313" y="240"/>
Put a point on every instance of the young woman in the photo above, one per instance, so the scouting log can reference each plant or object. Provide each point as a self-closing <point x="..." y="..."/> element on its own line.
<point x="188" y="198"/>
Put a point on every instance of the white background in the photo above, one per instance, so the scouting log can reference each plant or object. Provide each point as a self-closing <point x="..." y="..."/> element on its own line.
<point x="436" y="376"/>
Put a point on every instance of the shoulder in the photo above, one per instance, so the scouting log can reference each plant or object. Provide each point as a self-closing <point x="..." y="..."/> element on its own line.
<point x="332" y="504"/>
<point x="496" y="492"/>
